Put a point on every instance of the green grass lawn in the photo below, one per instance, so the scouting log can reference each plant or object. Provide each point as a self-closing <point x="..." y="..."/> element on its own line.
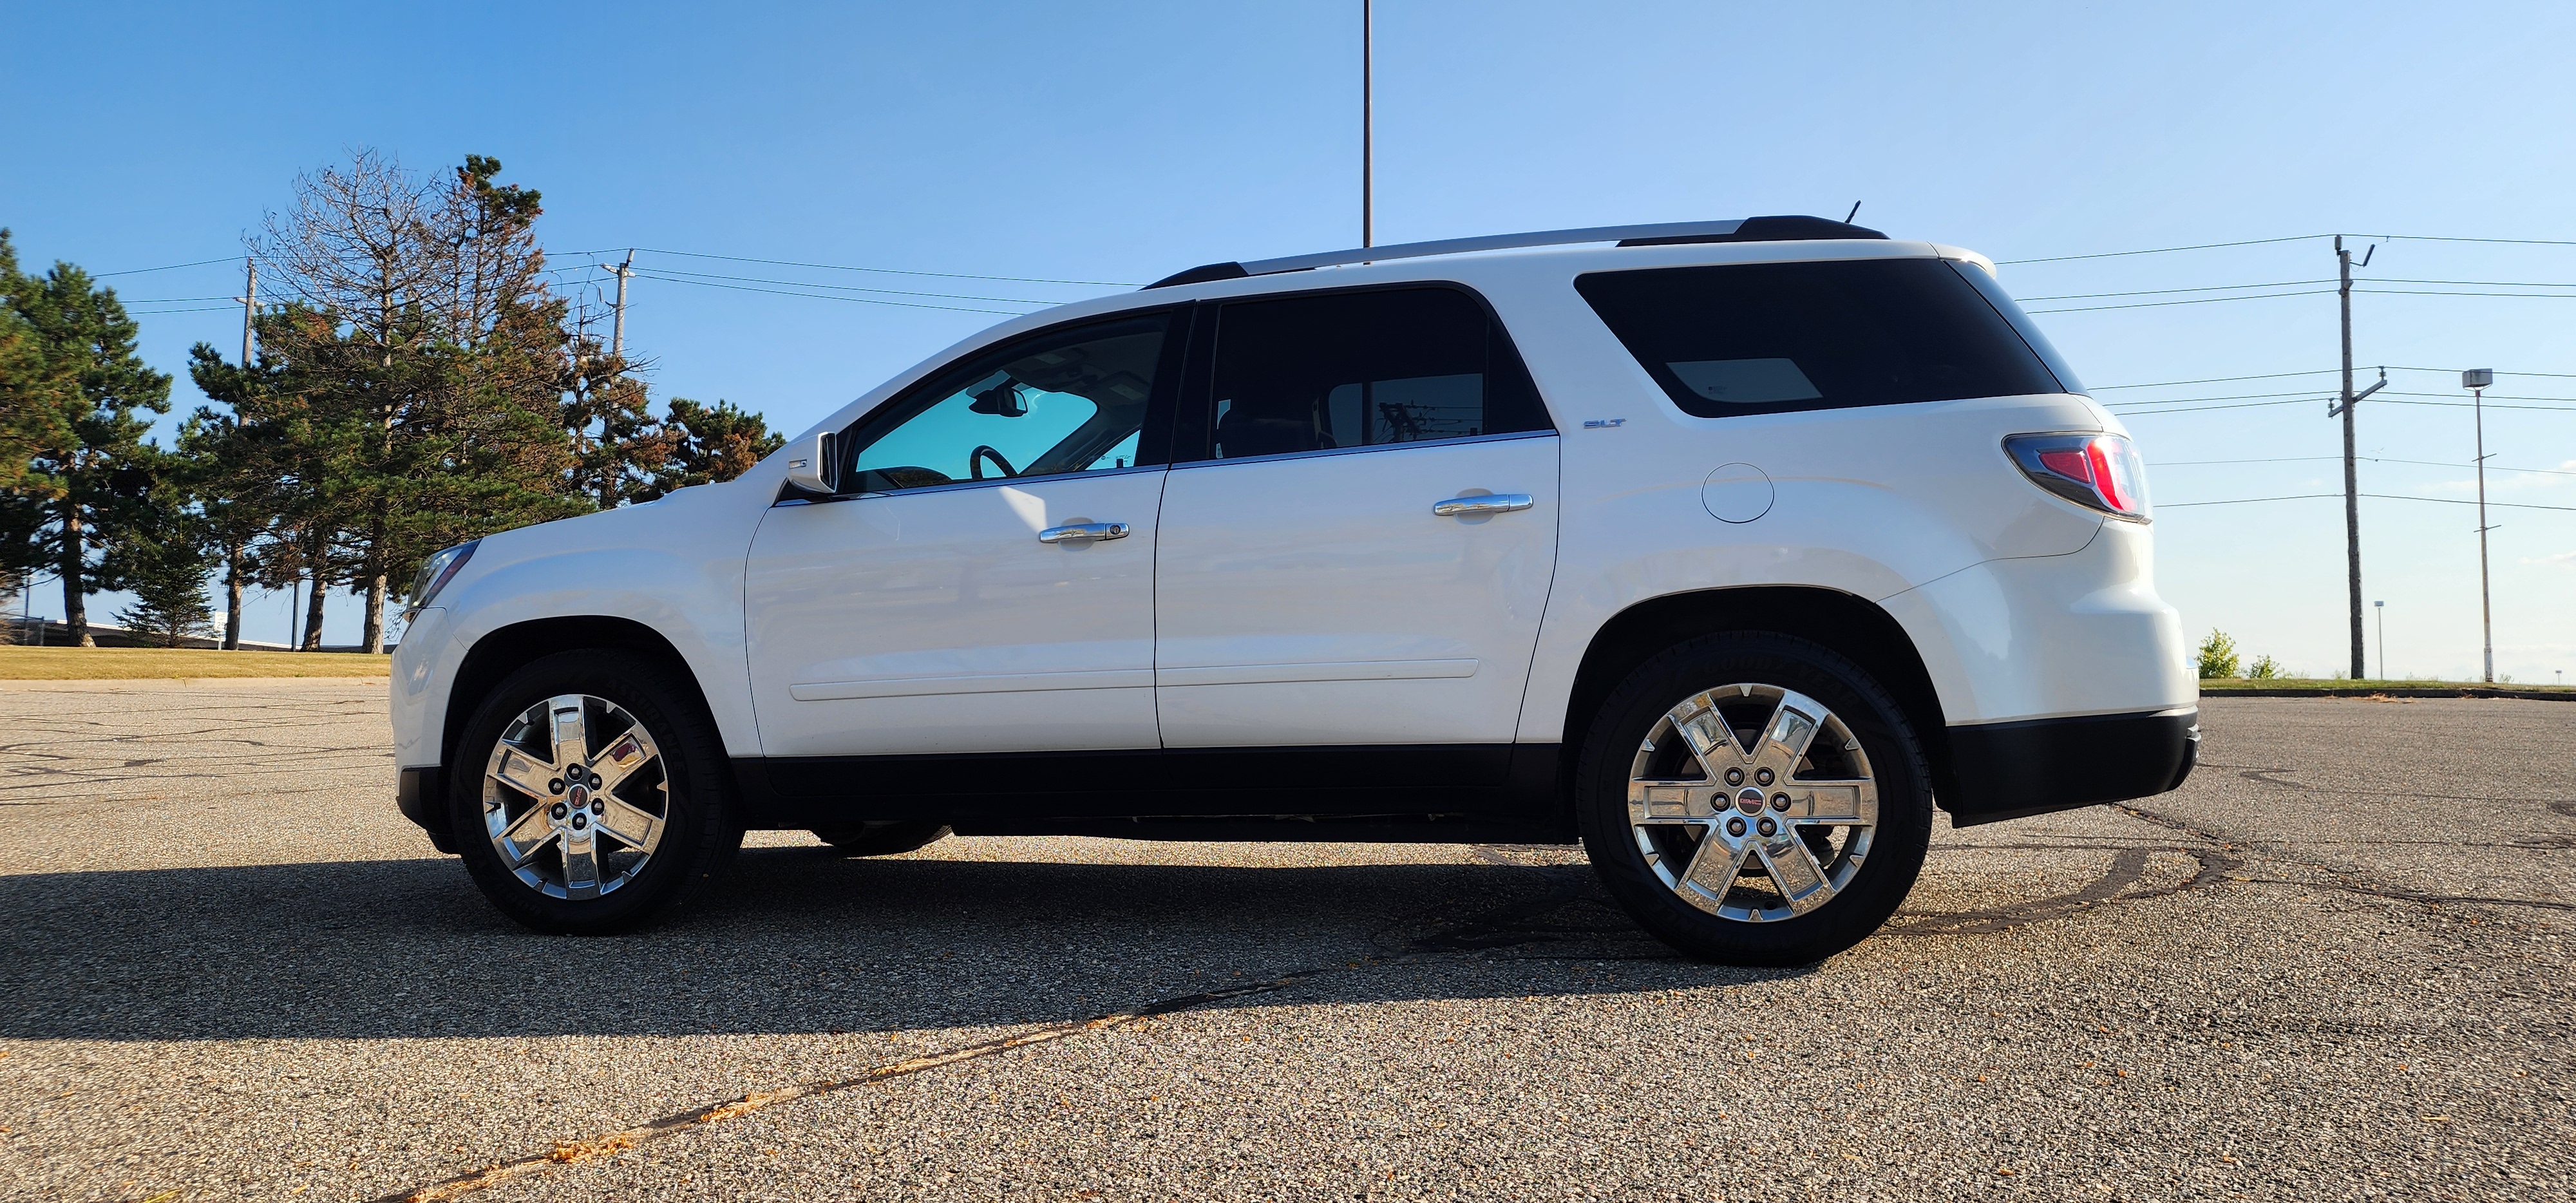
<point x="2340" y="685"/>
<point x="154" y="663"/>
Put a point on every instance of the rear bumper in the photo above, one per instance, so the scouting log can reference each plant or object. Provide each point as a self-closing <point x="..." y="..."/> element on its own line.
<point x="2034" y="766"/>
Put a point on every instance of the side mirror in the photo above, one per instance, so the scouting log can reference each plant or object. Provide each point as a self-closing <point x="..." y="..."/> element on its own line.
<point x="809" y="468"/>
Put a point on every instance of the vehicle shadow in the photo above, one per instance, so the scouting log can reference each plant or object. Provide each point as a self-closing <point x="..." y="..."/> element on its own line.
<point x="797" y="940"/>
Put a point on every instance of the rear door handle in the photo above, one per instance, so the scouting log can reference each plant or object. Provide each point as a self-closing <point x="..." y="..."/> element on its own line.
<point x="1083" y="532"/>
<point x="1486" y="503"/>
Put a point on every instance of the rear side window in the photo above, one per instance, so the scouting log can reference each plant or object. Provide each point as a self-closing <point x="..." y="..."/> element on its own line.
<point x="1774" y="337"/>
<point x="1336" y="371"/>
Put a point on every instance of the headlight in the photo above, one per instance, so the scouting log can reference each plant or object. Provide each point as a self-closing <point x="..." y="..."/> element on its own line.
<point x="435" y="572"/>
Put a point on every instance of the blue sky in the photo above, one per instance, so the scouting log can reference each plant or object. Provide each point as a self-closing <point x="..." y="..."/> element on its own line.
<point x="1116" y="143"/>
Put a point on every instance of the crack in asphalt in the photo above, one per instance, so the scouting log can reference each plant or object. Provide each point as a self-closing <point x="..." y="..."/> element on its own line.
<point x="1518" y="924"/>
<point x="1492" y="930"/>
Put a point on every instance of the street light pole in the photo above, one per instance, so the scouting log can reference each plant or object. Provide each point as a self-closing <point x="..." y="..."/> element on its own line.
<point x="1368" y="124"/>
<point x="2477" y="381"/>
<point x="2382" y="607"/>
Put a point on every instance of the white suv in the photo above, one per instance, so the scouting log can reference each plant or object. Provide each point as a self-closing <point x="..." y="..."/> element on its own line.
<point x="1728" y="549"/>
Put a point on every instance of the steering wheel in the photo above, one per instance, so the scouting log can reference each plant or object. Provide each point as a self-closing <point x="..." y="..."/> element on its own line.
<point x="975" y="462"/>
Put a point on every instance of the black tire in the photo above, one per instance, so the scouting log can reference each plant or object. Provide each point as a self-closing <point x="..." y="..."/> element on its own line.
<point x="1894" y="756"/>
<point x="882" y="838"/>
<point x="699" y="830"/>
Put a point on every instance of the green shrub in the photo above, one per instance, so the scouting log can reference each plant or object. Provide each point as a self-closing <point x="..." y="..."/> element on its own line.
<point x="2217" y="655"/>
<point x="2264" y="668"/>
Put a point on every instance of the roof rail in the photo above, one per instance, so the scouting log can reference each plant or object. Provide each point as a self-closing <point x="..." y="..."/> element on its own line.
<point x="1748" y="229"/>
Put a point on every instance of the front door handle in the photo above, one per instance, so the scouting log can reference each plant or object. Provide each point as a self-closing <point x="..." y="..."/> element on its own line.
<point x="1083" y="532"/>
<point x="1484" y="503"/>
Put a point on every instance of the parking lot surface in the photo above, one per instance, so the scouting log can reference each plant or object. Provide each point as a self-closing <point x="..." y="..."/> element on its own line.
<point x="2335" y="965"/>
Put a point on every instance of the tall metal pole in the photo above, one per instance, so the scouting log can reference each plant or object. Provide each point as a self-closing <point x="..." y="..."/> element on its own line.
<point x="250" y="303"/>
<point x="617" y="330"/>
<point x="1368" y="125"/>
<point x="2486" y="607"/>
<point x="2351" y="479"/>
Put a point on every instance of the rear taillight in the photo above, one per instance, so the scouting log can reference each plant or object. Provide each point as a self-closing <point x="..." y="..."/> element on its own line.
<point x="2100" y="471"/>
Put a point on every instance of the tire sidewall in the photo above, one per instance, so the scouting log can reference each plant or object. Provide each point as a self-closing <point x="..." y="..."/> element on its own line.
<point x="1896" y="760"/>
<point x="698" y="832"/>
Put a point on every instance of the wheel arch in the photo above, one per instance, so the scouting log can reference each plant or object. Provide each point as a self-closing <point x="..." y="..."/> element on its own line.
<point x="1848" y="624"/>
<point x="503" y="650"/>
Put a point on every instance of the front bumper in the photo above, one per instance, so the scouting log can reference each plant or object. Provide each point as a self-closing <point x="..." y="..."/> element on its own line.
<point x="2034" y="766"/>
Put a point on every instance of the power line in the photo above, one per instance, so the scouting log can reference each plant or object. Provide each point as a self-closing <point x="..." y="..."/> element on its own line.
<point x="2500" y="372"/>
<point x="2224" y="379"/>
<point x="2258" y="296"/>
<point x="2498" y="241"/>
<point x="2519" y="505"/>
<point x="950" y="296"/>
<point x="2435" y="292"/>
<point x="2480" y="283"/>
<point x="2155" y="292"/>
<point x="2313" y="372"/>
<point x="2375" y="459"/>
<point x="2382" y="399"/>
<point x="895" y="271"/>
<point x="2211" y="246"/>
<point x="2229" y="397"/>
<point x="2164" y="250"/>
<point x="817" y="297"/>
<point x="2202" y="409"/>
<point x="136" y="271"/>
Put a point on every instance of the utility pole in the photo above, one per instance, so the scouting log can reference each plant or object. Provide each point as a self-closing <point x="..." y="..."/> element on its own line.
<point x="250" y="303"/>
<point x="2351" y="478"/>
<point x="2477" y="380"/>
<point x="617" y="330"/>
<point x="1368" y="125"/>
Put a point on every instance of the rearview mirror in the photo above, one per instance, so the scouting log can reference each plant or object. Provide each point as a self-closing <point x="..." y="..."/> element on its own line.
<point x="1002" y="401"/>
<point x="809" y="468"/>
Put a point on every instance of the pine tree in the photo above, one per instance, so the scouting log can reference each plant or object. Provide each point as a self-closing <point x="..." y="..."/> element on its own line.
<point x="82" y="497"/>
<point x="32" y="416"/>
<point x="168" y="579"/>
<point x="711" y="443"/>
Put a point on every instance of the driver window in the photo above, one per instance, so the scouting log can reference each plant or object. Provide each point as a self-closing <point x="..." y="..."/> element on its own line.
<point x="1071" y="401"/>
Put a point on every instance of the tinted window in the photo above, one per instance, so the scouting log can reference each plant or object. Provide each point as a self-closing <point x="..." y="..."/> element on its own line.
<point x="1363" y="369"/>
<point x="1769" y="337"/>
<point x="2021" y="323"/>
<point x="1068" y="401"/>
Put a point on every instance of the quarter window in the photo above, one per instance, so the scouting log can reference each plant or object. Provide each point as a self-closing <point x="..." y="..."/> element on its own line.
<point x="1769" y="337"/>
<point x="1068" y="401"/>
<point x="1335" y="371"/>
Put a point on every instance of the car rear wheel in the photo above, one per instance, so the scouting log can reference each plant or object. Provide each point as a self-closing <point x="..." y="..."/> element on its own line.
<point x="883" y="838"/>
<point x="1755" y="800"/>
<point x="590" y="797"/>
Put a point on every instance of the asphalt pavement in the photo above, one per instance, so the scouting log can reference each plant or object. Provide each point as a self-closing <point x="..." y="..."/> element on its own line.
<point x="2334" y="965"/>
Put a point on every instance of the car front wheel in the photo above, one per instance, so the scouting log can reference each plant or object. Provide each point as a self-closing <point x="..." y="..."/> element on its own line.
<point x="591" y="796"/>
<point x="1755" y="800"/>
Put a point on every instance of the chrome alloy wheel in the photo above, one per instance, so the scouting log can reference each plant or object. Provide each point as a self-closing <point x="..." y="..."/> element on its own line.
<point x="568" y="820"/>
<point x="1752" y="802"/>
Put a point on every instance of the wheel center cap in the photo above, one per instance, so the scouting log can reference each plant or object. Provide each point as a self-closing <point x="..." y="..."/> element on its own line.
<point x="580" y="797"/>
<point x="1749" y="800"/>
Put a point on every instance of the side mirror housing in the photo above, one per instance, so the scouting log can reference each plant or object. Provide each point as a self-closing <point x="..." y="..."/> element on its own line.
<point x="810" y="468"/>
